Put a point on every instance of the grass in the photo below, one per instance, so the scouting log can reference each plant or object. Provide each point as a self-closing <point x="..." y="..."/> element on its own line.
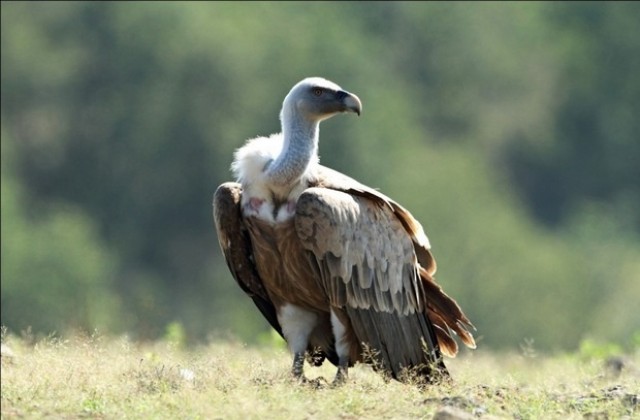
<point x="113" y="378"/>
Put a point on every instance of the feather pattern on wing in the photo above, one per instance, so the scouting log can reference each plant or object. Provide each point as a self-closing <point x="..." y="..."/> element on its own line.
<point x="369" y="269"/>
<point x="385" y="231"/>
<point x="362" y="245"/>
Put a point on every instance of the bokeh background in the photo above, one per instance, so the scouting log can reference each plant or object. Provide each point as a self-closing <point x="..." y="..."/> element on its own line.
<point x="511" y="130"/>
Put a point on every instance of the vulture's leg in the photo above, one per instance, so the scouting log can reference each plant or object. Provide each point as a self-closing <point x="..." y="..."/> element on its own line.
<point x="297" y="324"/>
<point x="342" y="349"/>
<point x="298" y="366"/>
<point x="342" y="374"/>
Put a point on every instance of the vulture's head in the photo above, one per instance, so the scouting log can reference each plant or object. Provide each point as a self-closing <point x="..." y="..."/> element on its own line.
<point x="316" y="99"/>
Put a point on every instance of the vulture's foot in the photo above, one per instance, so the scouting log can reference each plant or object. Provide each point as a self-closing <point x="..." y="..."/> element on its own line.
<point x="317" y="383"/>
<point x="298" y="373"/>
<point x="341" y="375"/>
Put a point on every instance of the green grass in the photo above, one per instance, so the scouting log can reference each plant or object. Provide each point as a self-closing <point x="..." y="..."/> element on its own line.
<point x="99" y="377"/>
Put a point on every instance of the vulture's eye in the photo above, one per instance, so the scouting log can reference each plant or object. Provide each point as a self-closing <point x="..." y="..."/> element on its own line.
<point x="317" y="91"/>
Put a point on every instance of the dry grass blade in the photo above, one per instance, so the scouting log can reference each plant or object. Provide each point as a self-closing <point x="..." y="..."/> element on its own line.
<point x="115" y="378"/>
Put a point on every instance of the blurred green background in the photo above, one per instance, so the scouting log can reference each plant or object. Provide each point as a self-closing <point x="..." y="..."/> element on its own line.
<point x="510" y="130"/>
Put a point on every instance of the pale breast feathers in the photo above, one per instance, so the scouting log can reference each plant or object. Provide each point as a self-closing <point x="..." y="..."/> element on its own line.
<point x="251" y="159"/>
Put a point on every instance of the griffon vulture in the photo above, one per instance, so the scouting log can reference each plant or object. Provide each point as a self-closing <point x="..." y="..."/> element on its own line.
<point x="340" y="270"/>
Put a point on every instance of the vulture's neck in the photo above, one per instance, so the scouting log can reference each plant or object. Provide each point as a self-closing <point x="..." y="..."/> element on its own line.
<point x="299" y="149"/>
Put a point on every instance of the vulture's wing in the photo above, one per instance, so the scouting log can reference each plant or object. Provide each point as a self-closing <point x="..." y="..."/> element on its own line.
<point x="238" y="252"/>
<point x="236" y="247"/>
<point x="329" y="178"/>
<point x="374" y="261"/>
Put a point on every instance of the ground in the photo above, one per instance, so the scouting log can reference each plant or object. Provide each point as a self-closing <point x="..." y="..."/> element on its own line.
<point x="100" y="377"/>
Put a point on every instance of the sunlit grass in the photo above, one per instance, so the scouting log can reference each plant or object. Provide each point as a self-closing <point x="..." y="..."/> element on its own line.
<point x="99" y="377"/>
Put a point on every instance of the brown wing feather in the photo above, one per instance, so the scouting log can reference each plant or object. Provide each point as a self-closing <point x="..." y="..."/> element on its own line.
<point x="329" y="178"/>
<point x="369" y="269"/>
<point x="233" y="239"/>
<point x="237" y="249"/>
<point x="442" y="309"/>
<point x="364" y="246"/>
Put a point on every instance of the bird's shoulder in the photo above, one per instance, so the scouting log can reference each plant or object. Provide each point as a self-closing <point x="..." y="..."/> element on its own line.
<point x="337" y="207"/>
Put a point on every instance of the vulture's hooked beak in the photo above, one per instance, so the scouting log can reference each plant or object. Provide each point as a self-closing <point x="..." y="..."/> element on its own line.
<point x="351" y="102"/>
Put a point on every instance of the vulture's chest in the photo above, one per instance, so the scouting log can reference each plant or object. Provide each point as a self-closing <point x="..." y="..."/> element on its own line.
<point x="271" y="203"/>
<point x="285" y="268"/>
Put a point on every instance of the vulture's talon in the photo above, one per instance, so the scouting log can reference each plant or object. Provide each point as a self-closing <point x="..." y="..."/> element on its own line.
<point x="341" y="378"/>
<point x="316" y="383"/>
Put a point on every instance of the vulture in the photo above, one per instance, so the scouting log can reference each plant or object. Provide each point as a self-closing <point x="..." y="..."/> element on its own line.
<point x="342" y="272"/>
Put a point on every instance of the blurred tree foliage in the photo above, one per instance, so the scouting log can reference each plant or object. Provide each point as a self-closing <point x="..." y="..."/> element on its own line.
<point x="509" y="129"/>
<point x="55" y="271"/>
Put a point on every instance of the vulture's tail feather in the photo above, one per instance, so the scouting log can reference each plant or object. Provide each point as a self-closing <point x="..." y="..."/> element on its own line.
<point x="404" y="347"/>
<point x="447" y="316"/>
